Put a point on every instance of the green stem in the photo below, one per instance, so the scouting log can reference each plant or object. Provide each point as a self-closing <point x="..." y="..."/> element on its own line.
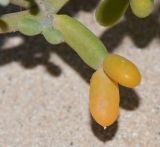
<point x="55" y="5"/>
<point x="43" y="6"/>
<point x="23" y="3"/>
<point x="8" y="22"/>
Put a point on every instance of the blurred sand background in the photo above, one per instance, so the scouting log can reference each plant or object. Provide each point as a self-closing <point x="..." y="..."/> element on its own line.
<point x="44" y="88"/>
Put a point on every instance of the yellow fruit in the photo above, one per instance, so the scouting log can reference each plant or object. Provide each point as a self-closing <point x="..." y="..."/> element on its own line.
<point x="104" y="99"/>
<point x="121" y="70"/>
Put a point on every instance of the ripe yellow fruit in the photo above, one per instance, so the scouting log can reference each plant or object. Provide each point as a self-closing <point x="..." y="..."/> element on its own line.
<point x="121" y="70"/>
<point x="104" y="99"/>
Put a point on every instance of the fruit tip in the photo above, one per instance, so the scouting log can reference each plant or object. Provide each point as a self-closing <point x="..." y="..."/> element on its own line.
<point x="105" y="128"/>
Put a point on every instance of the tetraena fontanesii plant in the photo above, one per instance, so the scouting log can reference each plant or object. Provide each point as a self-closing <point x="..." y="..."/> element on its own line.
<point x="41" y="17"/>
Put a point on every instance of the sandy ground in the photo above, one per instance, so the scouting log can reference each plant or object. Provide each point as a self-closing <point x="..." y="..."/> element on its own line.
<point x="44" y="88"/>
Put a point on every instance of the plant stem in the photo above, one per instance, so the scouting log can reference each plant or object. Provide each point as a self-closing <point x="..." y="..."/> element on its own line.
<point x="43" y="6"/>
<point x="8" y="22"/>
<point x="23" y="3"/>
<point x="54" y="5"/>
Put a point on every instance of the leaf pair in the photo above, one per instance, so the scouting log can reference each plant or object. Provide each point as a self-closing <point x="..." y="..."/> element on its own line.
<point x="32" y="27"/>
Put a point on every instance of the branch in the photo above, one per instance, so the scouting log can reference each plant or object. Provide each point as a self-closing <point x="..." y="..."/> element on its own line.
<point x="55" y="5"/>
<point x="23" y="3"/>
<point x="8" y="22"/>
<point x="43" y="6"/>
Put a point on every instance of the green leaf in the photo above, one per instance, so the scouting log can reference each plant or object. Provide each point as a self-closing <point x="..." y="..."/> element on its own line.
<point x="52" y="35"/>
<point x="29" y="27"/>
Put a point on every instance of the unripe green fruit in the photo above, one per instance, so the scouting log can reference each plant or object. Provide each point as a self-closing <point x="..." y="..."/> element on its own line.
<point x="82" y="40"/>
<point x="110" y="11"/>
<point x="142" y="8"/>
